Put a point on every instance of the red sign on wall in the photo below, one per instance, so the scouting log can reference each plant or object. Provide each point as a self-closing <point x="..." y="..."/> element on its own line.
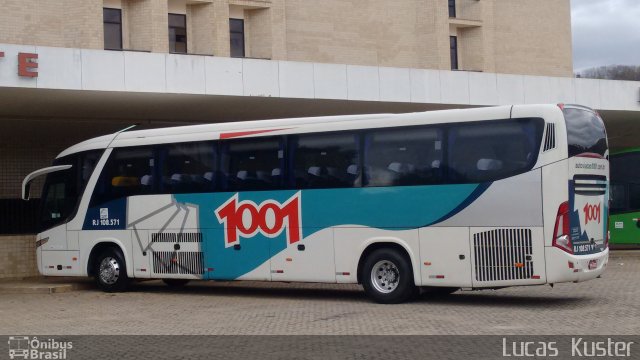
<point x="27" y="64"/>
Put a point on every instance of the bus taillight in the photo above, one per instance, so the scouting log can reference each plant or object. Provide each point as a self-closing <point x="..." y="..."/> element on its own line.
<point x="561" y="236"/>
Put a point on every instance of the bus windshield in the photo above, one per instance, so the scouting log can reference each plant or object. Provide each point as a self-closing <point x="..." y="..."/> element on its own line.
<point x="62" y="189"/>
<point x="585" y="132"/>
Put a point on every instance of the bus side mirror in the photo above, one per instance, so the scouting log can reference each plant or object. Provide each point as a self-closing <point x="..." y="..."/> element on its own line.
<point x="26" y="183"/>
<point x="26" y="191"/>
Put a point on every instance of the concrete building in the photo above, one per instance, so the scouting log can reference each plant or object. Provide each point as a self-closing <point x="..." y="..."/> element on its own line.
<point x="74" y="69"/>
<point x="530" y="37"/>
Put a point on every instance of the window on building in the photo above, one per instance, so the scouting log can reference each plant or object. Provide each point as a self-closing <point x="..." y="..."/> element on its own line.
<point x="453" y="40"/>
<point x="325" y="160"/>
<point x="452" y="8"/>
<point x="178" y="33"/>
<point x="112" y="19"/>
<point x="236" y="27"/>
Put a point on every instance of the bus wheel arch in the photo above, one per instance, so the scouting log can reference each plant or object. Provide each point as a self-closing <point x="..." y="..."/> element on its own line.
<point x="107" y="264"/>
<point x="385" y="270"/>
<point x="377" y="245"/>
<point x="98" y="249"/>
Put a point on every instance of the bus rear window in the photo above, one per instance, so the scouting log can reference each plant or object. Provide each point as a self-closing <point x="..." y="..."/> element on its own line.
<point x="585" y="132"/>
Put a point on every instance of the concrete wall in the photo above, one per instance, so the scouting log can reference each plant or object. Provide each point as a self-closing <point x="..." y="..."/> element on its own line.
<point x="401" y="33"/>
<point x="531" y="37"/>
<point x="69" y="23"/>
<point x="81" y="69"/>
<point x="18" y="257"/>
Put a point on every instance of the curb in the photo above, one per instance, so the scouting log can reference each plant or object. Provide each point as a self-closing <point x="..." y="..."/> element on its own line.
<point x="42" y="288"/>
<point x="624" y="254"/>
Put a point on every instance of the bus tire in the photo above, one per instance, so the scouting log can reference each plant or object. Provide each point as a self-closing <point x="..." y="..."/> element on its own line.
<point x="387" y="276"/>
<point x="176" y="283"/>
<point x="111" y="271"/>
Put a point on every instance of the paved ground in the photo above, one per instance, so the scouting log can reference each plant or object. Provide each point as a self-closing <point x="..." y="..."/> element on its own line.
<point x="610" y="305"/>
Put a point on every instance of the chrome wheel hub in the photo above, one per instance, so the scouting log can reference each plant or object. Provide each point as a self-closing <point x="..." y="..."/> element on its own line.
<point x="109" y="271"/>
<point x="385" y="276"/>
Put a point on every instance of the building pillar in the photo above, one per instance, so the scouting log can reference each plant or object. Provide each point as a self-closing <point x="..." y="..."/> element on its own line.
<point x="147" y="25"/>
<point x="220" y="23"/>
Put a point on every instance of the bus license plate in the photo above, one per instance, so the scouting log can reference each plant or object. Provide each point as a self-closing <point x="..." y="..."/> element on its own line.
<point x="593" y="264"/>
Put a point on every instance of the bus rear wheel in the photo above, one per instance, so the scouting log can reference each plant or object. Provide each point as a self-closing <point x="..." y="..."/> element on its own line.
<point x="176" y="283"/>
<point x="111" y="271"/>
<point x="387" y="277"/>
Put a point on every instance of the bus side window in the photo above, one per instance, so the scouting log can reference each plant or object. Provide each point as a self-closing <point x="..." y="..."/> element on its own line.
<point x="328" y="160"/>
<point x="618" y="197"/>
<point x="187" y="168"/>
<point x="634" y="197"/>
<point x="625" y="182"/>
<point x="400" y="157"/>
<point x="490" y="151"/>
<point x="252" y="164"/>
<point x="128" y="172"/>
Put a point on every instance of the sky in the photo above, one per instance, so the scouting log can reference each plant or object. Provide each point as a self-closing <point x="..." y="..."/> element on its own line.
<point x="605" y="32"/>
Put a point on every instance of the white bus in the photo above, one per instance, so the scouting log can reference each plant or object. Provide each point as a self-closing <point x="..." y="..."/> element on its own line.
<point x="444" y="200"/>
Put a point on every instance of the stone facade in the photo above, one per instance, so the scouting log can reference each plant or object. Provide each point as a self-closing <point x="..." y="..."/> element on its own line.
<point x="18" y="257"/>
<point x="530" y="37"/>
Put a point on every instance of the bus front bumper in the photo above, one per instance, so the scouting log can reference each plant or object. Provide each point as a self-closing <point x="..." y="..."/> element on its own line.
<point x="565" y="267"/>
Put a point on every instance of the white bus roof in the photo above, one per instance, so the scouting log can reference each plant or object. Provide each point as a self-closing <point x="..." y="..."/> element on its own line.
<point x="255" y="128"/>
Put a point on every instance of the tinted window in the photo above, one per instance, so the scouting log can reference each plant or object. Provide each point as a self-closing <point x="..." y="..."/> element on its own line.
<point x="625" y="182"/>
<point x="236" y="27"/>
<point x="585" y="132"/>
<point x="188" y="167"/>
<point x="453" y="50"/>
<point x="63" y="189"/>
<point x="128" y="172"/>
<point x="492" y="150"/>
<point x="178" y="33"/>
<point x="634" y="197"/>
<point x="59" y="197"/>
<point x="112" y="19"/>
<point x="325" y="161"/>
<point x="88" y="162"/>
<point x="408" y="156"/>
<point x="252" y="164"/>
<point x="619" y="195"/>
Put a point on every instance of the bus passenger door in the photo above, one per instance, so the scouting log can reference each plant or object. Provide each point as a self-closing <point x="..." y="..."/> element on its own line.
<point x="445" y="257"/>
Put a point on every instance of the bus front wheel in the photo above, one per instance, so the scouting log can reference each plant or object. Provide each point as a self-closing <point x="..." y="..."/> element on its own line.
<point x="111" y="271"/>
<point x="387" y="276"/>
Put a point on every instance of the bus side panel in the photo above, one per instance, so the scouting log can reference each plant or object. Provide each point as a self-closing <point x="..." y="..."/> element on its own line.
<point x="141" y="253"/>
<point x="352" y="240"/>
<point x="514" y="202"/>
<point x="90" y="238"/>
<point x="445" y="259"/>
<point x="507" y="256"/>
<point x="61" y="263"/>
<point x="166" y="237"/>
<point x="310" y="259"/>
<point x="625" y="228"/>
